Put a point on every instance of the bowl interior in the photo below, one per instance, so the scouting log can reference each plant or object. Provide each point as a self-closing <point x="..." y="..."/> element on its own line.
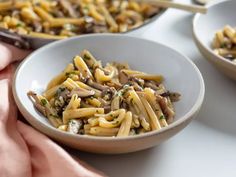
<point x="218" y="15"/>
<point x="180" y="74"/>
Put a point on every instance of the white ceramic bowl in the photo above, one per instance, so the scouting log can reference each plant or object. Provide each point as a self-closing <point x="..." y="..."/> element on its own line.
<point x="219" y="14"/>
<point x="180" y="74"/>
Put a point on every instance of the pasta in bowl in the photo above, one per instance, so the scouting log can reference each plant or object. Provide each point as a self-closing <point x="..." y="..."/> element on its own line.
<point x="145" y="58"/>
<point x="224" y="43"/>
<point x="217" y="45"/>
<point x="51" y="20"/>
<point x="87" y="98"/>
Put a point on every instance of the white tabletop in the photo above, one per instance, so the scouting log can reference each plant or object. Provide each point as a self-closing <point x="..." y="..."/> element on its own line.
<point x="205" y="148"/>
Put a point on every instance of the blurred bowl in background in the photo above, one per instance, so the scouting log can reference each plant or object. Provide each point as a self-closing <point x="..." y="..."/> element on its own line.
<point x="220" y="13"/>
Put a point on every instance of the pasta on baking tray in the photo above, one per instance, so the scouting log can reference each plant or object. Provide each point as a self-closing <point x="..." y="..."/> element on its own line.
<point x="64" y="18"/>
<point x="112" y="100"/>
<point x="224" y="43"/>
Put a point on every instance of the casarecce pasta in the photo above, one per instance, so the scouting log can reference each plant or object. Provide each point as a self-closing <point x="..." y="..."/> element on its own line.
<point x="89" y="98"/>
<point x="58" y="19"/>
<point x="224" y="43"/>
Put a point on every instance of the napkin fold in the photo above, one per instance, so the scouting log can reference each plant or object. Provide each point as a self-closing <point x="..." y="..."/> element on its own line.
<point x="25" y="152"/>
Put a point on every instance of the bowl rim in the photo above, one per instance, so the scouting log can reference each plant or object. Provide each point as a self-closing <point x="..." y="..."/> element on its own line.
<point x="57" y="132"/>
<point x="194" y="30"/>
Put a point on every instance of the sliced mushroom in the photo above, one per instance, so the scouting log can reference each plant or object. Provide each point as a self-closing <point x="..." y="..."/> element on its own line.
<point x="37" y="26"/>
<point x="82" y="92"/>
<point x="108" y="93"/>
<point x="58" y="13"/>
<point x="74" y="126"/>
<point x="99" y="28"/>
<point x="16" y="13"/>
<point x="105" y="104"/>
<point x="168" y="112"/>
<point x="60" y="102"/>
<point x="137" y="83"/>
<point x="68" y="7"/>
<point x="116" y="85"/>
<point x="174" y="96"/>
<point x="107" y="109"/>
<point x="33" y="97"/>
<point x="63" y="92"/>
<point x="138" y="80"/>
<point x="121" y="66"/>
<point x="93" y="26"/>
<point x="151" y="84"/>
<point x="38" y="104"/>
<point x="96" y="85"/>
<point x="123" y="77"/>
<point x="124" y="105"/>
<point x="60" y="105"/>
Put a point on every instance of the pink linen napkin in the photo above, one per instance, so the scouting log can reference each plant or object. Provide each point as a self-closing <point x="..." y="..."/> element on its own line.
<point x="24" y="152"/>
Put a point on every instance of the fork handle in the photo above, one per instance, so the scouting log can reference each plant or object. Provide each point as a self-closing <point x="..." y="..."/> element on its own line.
<point x="169" y="4"/>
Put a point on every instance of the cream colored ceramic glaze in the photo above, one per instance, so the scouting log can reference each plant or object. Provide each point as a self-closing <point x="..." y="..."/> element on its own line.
<point x="180" y="75"/>
<point x="204" y="27"/>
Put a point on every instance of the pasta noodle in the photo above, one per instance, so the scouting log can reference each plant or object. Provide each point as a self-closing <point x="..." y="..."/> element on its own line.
<point x="126" y="125"/>
<point x="61" y="77"/>
<point x="82" y="112"/>
<point x="117" y="101"/>
<point x="224" y="43"/>
<point x="153" y="118"/>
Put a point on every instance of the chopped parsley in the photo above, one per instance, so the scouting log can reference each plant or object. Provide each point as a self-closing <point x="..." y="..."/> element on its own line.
<point x="43" y="102"/>
<point x="19" y="25"/>
<point x="223" y="45"/>
<point x="162" y="117"/>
